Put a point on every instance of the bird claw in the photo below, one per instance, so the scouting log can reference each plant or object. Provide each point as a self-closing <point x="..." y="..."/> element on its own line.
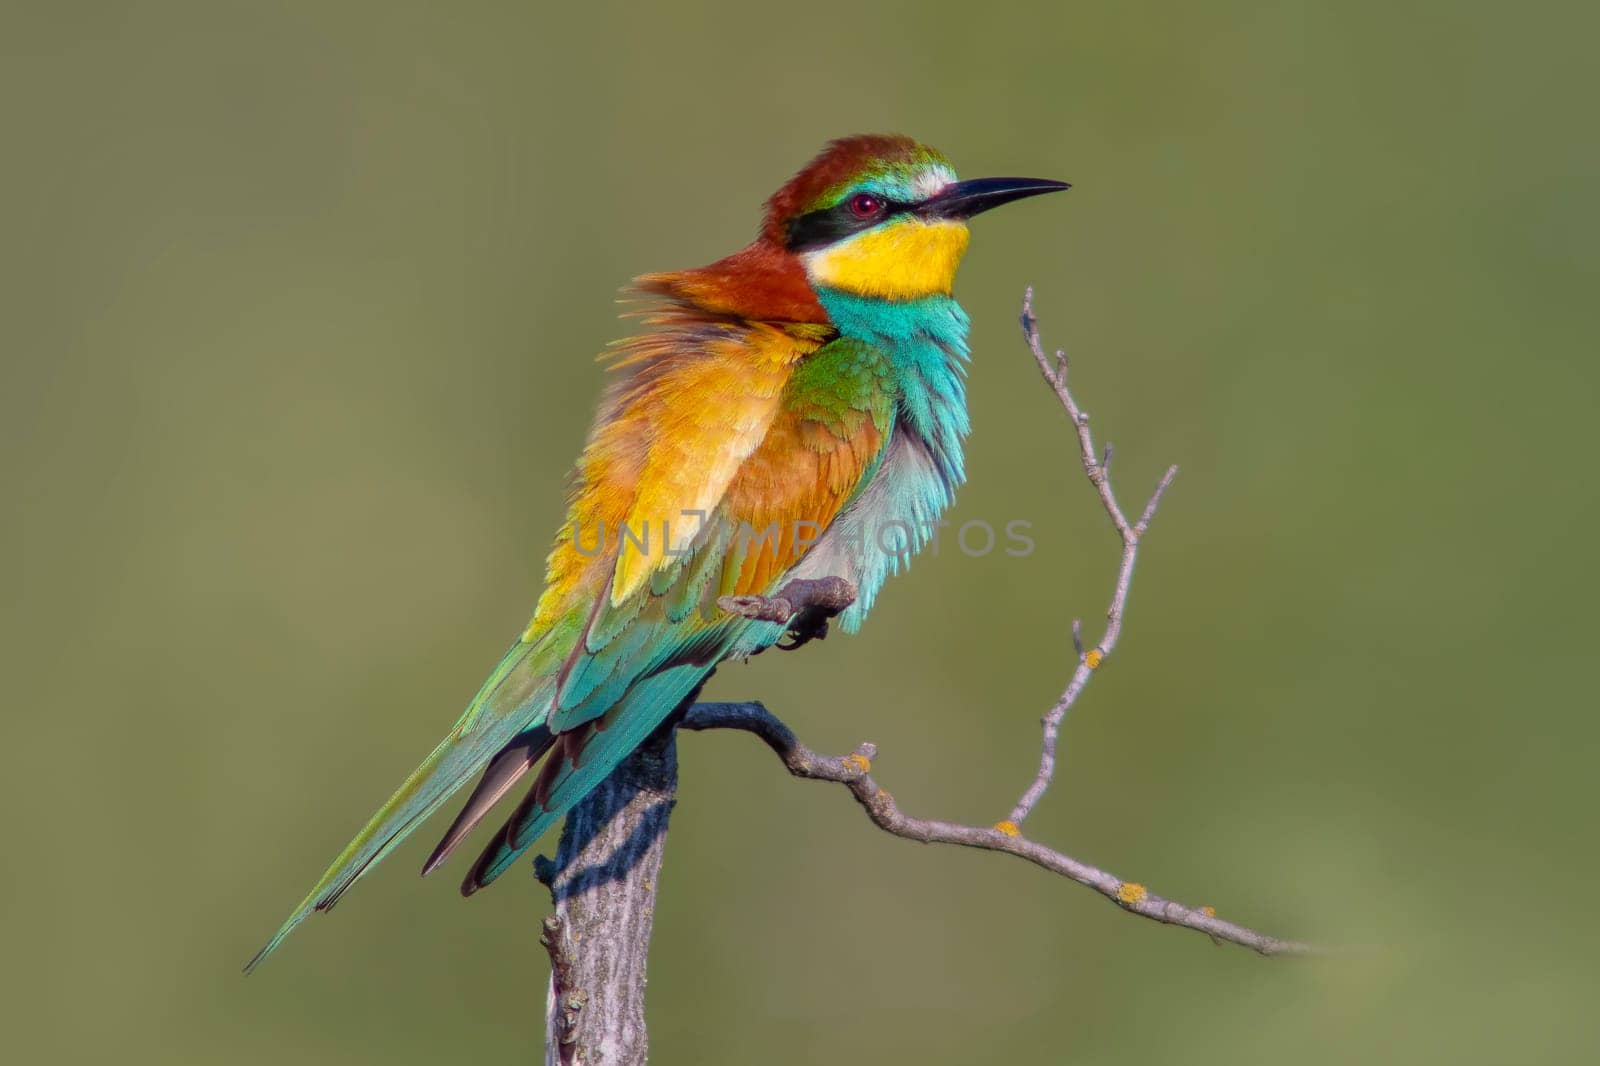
<point x="805" y="604"/>
<point x="802" y="632"/>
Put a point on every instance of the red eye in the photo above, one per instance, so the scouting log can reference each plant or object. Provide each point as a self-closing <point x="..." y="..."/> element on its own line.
<point x="865" y="205"/>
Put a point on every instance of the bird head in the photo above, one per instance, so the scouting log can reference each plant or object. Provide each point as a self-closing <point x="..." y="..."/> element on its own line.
<point x="883" y="216"/>
<point x="872" y="215"/>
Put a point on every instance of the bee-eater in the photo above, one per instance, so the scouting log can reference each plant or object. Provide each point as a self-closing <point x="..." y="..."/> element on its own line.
<point x="782" y="409"/>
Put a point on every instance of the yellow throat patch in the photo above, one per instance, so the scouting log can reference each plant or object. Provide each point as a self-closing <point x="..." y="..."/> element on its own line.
<point x="905" y="260"/>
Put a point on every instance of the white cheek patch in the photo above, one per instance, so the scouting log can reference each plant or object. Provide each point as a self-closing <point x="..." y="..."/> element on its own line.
<point x="931" y="180"/>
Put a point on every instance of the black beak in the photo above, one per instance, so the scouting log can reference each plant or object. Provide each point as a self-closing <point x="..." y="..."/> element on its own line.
<point x="967" y="198"/>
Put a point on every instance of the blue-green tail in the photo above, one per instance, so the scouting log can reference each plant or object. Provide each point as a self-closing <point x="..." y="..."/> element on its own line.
<point x="510" y="707"/>
<point x="574" y="768"/>
<point x="504" y="729"/>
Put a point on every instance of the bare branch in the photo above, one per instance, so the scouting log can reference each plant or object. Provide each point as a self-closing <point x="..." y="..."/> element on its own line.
<point x="603" y="883"/>
<point x="854" y="772"/>
<point x="1099" y="474"/>
<point x="566" y="1001"/>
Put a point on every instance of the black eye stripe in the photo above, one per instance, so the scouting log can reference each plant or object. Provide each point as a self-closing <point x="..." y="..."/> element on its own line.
<point x="835" y="223"/>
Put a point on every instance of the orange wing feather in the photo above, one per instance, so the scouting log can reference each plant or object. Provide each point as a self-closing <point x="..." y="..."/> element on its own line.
<point x="698" y="423"/>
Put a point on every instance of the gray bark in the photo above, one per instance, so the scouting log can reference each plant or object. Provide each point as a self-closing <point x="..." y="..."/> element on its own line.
<point x="603" y="884"/>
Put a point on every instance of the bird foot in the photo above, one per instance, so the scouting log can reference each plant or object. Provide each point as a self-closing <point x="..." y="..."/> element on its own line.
<point x="805" y="604"/>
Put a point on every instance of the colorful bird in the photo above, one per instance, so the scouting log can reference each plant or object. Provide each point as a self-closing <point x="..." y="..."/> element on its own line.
<point x="794" y="410"/>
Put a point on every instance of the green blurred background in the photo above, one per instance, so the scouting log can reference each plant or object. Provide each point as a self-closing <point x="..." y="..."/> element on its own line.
<point x="300" y="305"/>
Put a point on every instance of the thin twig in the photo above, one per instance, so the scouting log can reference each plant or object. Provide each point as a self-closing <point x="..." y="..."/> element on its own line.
<point x="854" y="772"/>
<point x="1099" y="474"/>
